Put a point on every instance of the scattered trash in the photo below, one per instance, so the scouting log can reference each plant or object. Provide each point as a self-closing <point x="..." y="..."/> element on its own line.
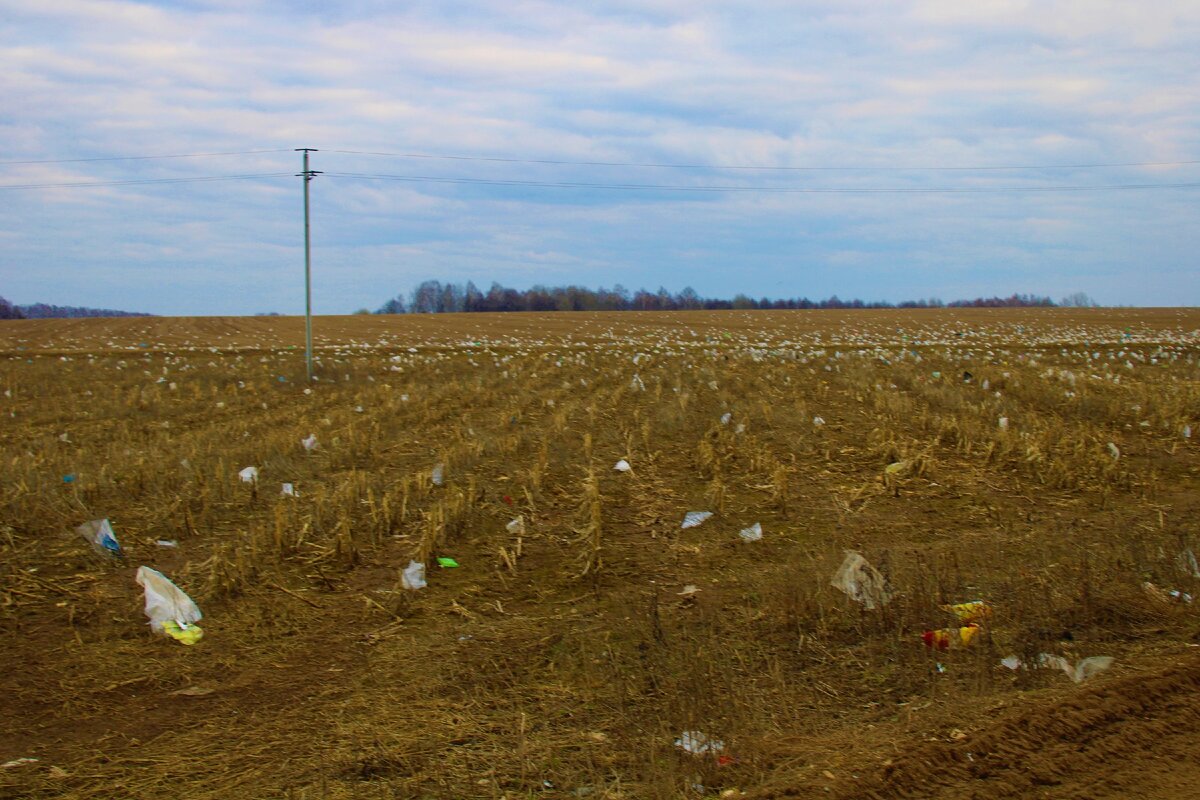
<point x="17" y="762"/>
<point x="438" y="476"/>
<point x="945" y="638"/>
<point x="446" y="563"/>
<point x="751" y="534"/>
<point x="689" y="590"/>
<point x="192" y="691"/>
<point x="68" y="478"/>
<point x="973" y="611"/>
<point x="693" y="518"/>
<point x="967" y="377"/>
<point x="637" y="385"/>
<point x="310" y="443"/>
<point x="861" y="582"/>
<point x="1187" y="563"/>
<point x="1012" y="662"/>
<point x="170" y="610"/>
<point x="413" y="577"/>
<point x="818" y="422"/>
<point x="622" y="466"/>
<point x="249" y="475"/>
<point x="100" y="533"/>
<point x="167" y="543"/>
<point x="1165" y="597"/>
<point x="698" y="743"/>
<point x="1079" y="672"/>
<point x="1187" y="431"/>
<point x="1114" y="451"/>
<point x="287" y="490"/>
<point x="516" y="527"/>
<point x="1003" y="423"/>
<point x="726" y="418"/>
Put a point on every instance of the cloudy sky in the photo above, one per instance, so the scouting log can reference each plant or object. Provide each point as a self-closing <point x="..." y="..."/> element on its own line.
<point x="788" y="148"/>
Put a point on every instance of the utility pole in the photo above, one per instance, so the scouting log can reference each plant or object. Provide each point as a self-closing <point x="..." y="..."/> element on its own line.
<point x="307" y="174"/>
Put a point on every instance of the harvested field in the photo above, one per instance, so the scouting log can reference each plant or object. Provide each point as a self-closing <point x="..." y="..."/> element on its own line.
<point x="1041" y="461"/>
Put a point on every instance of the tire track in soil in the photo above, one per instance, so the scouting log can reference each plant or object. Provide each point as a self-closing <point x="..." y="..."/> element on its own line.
<point x="1130" y="737"/>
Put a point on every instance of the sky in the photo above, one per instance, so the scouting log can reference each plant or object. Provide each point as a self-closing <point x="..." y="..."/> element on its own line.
<point x="882" y="151"/>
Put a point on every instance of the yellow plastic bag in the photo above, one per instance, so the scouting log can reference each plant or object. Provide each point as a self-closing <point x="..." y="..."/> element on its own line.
<point x="187" y="634"/>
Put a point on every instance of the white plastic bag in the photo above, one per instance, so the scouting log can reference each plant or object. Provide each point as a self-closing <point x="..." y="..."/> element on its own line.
<point x="693" y="518"/>
<point x="753" y="533"/>
<point x="249" y="475"/>
<point x="1080" y="671"/>
<point x="622" y="466"/>
<point x="166" y="603"/>
<point x="698" y="743"/>
<point x="438" y="476"/>
<point x="413" y="577"/>
<point x="861" y="582"/>
<point x="100" y="533"/>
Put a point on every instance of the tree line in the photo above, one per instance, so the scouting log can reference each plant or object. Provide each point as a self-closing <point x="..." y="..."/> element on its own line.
<point x="45" y="311"/>
<point x="435" y="297"/>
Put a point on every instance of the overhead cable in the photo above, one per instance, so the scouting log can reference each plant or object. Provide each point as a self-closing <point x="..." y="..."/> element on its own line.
<point x="748" y="189"/>
<point x="892" y="168"/>
<point x="141" y="182"/>
<point x="141" y="158"/>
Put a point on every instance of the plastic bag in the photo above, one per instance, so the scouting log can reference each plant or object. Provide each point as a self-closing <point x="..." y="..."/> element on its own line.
<point x="249" y="475"/>
<point x="972" y="611"/>
<point x="100" y="533"/>
<point x="413" y="577"/>
<point x="622" y="466"/>
<point x="1080" y="671"/>
<point x="945" y="638"/>
<point x="753" y="533"/>
<point x="170" y="610"/>
<point x="693" y="518"/>
<point x="438" y="476"/>
<point x="861" y="582"/>
<point x="698" y="743"/>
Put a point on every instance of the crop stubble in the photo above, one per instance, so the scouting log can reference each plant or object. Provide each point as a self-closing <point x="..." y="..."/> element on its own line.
<point x="563" y="661"/>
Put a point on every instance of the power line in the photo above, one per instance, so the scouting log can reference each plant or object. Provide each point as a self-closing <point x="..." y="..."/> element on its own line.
<point x="141" y="158"/>
<point x="656" y="165"/>
<point x="766" y="168"/>
<point x="140" y="182"/>
<point x="747" y="189"/>
<point x="615" y="186"/>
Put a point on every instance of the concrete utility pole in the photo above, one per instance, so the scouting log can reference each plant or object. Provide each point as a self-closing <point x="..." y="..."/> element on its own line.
<point x="307" y="174"/>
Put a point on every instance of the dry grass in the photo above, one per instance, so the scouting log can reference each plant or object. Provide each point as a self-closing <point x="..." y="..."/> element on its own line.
<point x="563" y="657"/>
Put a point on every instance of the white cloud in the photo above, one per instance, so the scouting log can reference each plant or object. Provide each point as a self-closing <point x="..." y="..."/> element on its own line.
<point x="781" y="84"/>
